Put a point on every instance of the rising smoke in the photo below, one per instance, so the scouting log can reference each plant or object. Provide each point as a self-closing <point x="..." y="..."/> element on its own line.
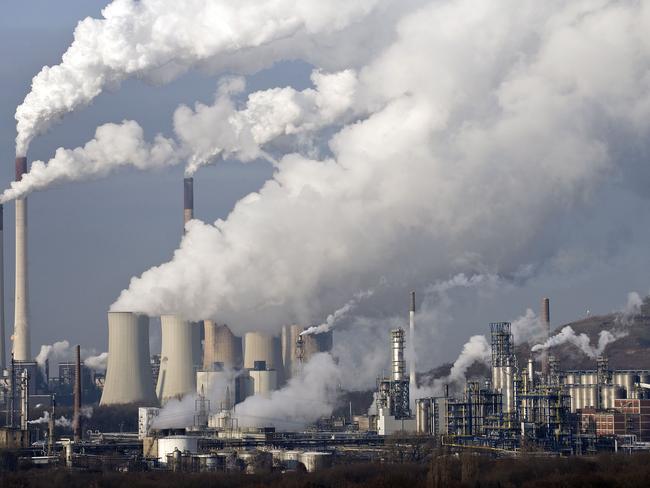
<point x="61" y="351"/>
<point x="568" y="336"/>
<point x="337" y="315"/>
<point x="160" y="40"/>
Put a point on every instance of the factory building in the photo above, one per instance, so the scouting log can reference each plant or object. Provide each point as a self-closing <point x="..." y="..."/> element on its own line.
<point x="128" y="375"/>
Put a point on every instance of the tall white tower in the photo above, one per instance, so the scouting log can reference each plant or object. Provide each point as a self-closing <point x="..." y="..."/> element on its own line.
<point x="3" y="350"/>
<point x="21" y="343"/>
<point x="128" y="374"/>
<point x="412" y="380"/>
<point x="176" y="377"/>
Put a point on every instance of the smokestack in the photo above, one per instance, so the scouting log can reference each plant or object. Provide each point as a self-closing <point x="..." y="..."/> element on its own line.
<point x="397" y="354"/>
<point x="412" y="380"/>
<point x="188" y="200"/>
<point x="76" y="419"/>
<point x="546" y="323"/>
<point x="21" y="345"/>
<point x="3" y="350"/>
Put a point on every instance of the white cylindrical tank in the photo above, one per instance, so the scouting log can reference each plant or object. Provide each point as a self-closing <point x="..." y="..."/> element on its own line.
<point x="625" y="380"/>
<point x="315" y="461"/>
<point x="589" y="379"/>
<point x="128" y="375"/>
<point x="259" y="347"/>
<point x="176" y="377"/>
<point x="218" y="386"/>
<point x="570" y="379"/>
<point x="423" y="416"/>
<point x="264" y="382"/>
<point x="167" y="445"/>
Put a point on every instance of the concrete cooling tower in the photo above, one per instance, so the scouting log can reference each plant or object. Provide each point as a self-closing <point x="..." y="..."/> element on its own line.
<point x="176" y="377"/>
<point x="221" y="346"/>
<point x="128" y="375"/>
<point x="262" y="347"/>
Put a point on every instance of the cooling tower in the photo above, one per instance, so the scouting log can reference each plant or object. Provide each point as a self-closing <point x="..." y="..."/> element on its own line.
<point x="261" y="347"/>
<point x="128" y="375"/>
<point x="221" y="346"/>
<point x="21" y="345"/>
<point x="176" y="377"/>
<point x="3" y="358"/>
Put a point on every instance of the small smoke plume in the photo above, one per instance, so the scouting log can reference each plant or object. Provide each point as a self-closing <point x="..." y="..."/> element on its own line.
<point x="114" y="146"/>
<point x="333" y="318"/>
<point x="97" y="363"/>
<point x="59" y="351"/>
<point x="631" y="310"/>
<point x="62" y="421"/>
<point x="476" y="350"/>
<point x="307" y="397"/>
<point x="568" y="336"/>
<point x="527" y="328"/>
<point x="160" y="40"/>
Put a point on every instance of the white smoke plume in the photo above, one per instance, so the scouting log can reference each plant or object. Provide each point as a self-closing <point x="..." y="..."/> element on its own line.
<point x="203" y="134"/>
<point x="307" y="397"/>
<point x="337" y="315"/>
<point x="631" y="310"/>
<point x="62" y="421"/>
<point x="114" y="146"/>
<point x="160" y="40"/>
<point x="61" y="351"/>
<point x="527" y="328"/>
<point x="97" y="363"/>
<point x="568" y="336"/>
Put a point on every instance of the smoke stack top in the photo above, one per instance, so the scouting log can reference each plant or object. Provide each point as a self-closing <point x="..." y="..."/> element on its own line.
<point x="21" y="167"/>
<point x="412" y="301"/>
<point x="188" y="193"/>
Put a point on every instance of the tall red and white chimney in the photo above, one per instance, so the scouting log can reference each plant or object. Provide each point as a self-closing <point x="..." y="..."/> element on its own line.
<point x="21" y="341"/>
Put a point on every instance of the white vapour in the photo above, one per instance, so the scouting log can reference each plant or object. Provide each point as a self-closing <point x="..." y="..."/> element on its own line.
<point x="158" y="40"/>
<point x="337" y="315"/>
<point x="114" y="146"/>
<point x="527" y="328"/>
<point x="61" y="351"/>
<point x="307" y="397"/>
<point x="98" y="362"/>
<point x="568" y="336"/>
<point x="62" y="421"/>
<point x="632" y="309"/>
<point x="203" y="134"/>
<point x="475" y="350"/>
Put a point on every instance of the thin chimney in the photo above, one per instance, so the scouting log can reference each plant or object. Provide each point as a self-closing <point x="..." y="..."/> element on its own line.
<point x="546" y="324"/>
<point x="3" y="350"/>
<point x="21" y="345"/>
<point x="76" y="419"/>
<point x="188" y="200"/>
<point x="412" y="380"/>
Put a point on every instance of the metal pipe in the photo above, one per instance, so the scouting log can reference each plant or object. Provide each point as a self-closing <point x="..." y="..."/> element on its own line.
<point x="412" y="377"/>
<point x="76" y="419"/>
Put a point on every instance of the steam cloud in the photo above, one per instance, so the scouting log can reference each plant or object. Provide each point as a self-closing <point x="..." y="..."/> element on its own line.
<point x="160" y="40"/>
<point x="568" y="336"/>
<point x="61" y="351"/>
<point x="528" y="108"/>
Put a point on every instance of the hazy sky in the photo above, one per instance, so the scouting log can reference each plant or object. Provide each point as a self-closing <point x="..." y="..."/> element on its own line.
<point x="86" y="240"/>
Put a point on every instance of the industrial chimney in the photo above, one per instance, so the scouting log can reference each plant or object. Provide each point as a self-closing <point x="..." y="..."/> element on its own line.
<point x="412" y="379"/>
<point x="76" y="416"/>
<point x="3" y="350"/>
<point x="546" y="324"/>
<point x="21" y="344"/>
<point x="176" y="377"/>
<point x="188" y="200"/>
<point x="128" y="375"/>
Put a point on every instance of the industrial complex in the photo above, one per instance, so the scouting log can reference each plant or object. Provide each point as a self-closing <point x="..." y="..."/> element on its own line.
<point x="188" y="396"/>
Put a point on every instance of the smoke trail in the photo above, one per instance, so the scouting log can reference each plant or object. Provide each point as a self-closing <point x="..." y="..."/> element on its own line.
<point x="568" y="336"/>
<point x="333" y="318"/>
<point x="97" y="363"/>
<point x="631" y="310"/>
<point x="203" y="134"/>
<point x="58" y="351"/>
<point x="527" y="328"/>
<point x="307" y="397"/>
<point x="159" y="40"/>
<point x="114" y="146"/>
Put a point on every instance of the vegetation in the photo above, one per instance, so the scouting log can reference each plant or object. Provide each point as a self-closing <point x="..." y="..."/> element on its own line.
<point x="443" y="470"/>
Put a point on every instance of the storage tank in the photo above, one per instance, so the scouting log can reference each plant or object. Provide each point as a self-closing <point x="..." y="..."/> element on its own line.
<point x="625" y="380"/>
<point x="423" y="416"/>
<point x="589" y="378"/>
<point x="315" y="461"/>
<point x="570" y="379"/>
<point x="575" y="399"/>
<point x="609" y="393"/>
<point x="128" y="374"/>
<point x="184" y="443"/>
<point x="176" y="377"/>
<point x="591" y="396"/>
<point x="221" y="346"/>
